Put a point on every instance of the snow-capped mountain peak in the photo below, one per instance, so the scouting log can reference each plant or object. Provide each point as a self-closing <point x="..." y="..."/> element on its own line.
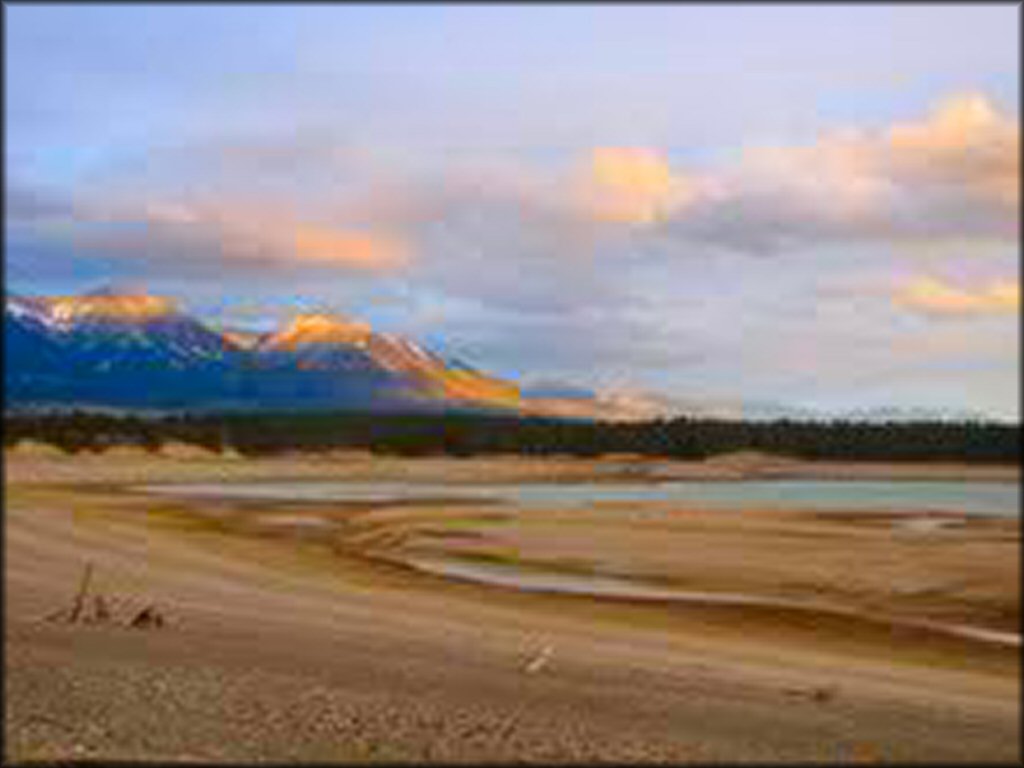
<point x="110" y="306"/>
<point x="116" y="348"/>
<point x="320" y="328"/>
<point x="33" y="310"/>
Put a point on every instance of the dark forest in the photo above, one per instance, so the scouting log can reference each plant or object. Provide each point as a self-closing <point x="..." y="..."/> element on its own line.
<point x="478" y="434"/>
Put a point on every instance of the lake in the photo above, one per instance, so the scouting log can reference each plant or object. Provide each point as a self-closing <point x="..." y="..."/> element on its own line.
<point x="974" y="498"/>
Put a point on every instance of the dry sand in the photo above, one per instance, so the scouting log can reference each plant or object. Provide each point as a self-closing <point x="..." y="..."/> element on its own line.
<point x="964" y="573"/>
<point x="290" y="643"/>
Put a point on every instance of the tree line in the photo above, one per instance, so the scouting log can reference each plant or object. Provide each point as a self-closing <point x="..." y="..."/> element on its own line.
<point x="470" y="434"/>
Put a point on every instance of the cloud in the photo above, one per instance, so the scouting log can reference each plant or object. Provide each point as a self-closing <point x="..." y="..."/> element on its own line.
<point x="535" y="238"/>
<point x="306" y="200"/>
<point x="354" y="249"/>
<point x="243" y="234"/>
<point x="631" y="185"/>
<point x="952" y="175"/>
<point x="935" y="297"/>
<point x="966" y="143"/>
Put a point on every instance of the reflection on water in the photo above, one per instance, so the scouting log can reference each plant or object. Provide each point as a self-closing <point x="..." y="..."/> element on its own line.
<point x="989" y="499"/>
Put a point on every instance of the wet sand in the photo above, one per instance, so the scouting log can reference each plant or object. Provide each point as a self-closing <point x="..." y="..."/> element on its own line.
<point x="291" y="635"/>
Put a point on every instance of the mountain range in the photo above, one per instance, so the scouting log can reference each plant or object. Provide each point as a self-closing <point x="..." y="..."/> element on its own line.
<point x="636" y="404"/>
<point x="142" y="352"/>
<point x="134" y="351"/>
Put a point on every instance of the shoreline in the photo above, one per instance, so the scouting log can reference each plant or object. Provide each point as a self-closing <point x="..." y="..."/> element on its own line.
<point x="288" y="639"/>
<point x="627" y="590"/>
<point x="615" y="467"/>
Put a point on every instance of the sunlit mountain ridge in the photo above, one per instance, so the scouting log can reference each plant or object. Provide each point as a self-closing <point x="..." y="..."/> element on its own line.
<point x="134" y="349"/>
<point x="121" y="349"/>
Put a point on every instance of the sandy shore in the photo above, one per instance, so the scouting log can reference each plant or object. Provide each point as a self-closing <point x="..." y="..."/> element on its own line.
<point x="289" y="640"/>
<point x="182" y="463"/>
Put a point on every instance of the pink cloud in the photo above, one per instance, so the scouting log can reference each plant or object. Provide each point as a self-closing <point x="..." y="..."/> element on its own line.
<point x="935" y="297"/>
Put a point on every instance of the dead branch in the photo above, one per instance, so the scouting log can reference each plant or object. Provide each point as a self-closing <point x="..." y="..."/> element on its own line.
<point x="83" y="588"/>
<point x="148" y="618"/>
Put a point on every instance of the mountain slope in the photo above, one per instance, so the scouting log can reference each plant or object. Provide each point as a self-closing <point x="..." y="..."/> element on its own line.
<point x="141" y="351"/>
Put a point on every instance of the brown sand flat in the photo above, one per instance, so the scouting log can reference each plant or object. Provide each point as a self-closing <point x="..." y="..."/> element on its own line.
<point x="176" y="463"/>
<point x="284" y="648"/>
<point x="967" y="573"/>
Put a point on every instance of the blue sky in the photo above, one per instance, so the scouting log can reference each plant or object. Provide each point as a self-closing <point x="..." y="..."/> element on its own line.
<point x="811" y="204"/>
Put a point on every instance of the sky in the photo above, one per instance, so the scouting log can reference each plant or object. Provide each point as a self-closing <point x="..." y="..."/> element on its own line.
<point x="811" y="205"/>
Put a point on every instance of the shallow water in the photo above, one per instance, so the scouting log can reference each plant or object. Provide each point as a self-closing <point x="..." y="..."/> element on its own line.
<point x="597" y="585"/>
<point x="383" y="491"/>
<point x="969" y="498"/>
<point x="975" y="498"/>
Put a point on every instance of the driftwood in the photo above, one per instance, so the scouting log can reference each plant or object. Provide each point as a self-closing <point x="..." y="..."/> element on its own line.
<point x="825" y="693"/>
<point x="83" y="588"/>
<point x="146" y="618"/>
<point x="820" y="694"/>
<point x="100" y="612"/>
<point x="540" y="660"/>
